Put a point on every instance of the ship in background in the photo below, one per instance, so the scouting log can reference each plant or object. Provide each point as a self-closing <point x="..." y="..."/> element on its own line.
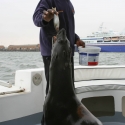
<point x="109" y="41"/>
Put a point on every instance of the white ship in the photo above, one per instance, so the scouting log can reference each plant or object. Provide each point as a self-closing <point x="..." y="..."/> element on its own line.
<point x="109" y="41"/>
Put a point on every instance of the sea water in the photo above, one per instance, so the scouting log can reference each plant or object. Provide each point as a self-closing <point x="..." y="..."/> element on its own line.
<point x="12" y="61"/>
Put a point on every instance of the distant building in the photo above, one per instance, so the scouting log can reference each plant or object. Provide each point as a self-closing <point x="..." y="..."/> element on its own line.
<point x="2" y="48"/>
<point x="35" y="47"/>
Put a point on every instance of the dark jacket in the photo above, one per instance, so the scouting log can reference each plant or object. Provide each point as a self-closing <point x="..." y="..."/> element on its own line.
<point x="47" y="30"/>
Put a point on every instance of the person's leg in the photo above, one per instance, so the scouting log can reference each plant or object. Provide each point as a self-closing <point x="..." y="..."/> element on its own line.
<point x="46" y="61"/>
<point x="72" y="61"/>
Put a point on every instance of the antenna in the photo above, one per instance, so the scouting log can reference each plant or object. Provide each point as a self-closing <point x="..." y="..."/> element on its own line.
<point x="101" y="27"/>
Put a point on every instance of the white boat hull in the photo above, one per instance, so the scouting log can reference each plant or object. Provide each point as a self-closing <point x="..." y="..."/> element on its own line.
<point x="25" y="108"/>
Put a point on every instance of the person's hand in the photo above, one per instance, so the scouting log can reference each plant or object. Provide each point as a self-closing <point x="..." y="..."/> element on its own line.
<point x="49" y="14"/>
<point x="80" y="43"/>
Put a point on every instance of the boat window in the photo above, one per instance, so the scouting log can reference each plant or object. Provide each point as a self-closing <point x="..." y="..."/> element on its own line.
<point x="122" y="41"/>
<point x="114" y="40"/>
<point x="100" y="106"/>
<point x="107" y="41"/>
<point x="100" y="41"/>
<point x="123" y="106"/>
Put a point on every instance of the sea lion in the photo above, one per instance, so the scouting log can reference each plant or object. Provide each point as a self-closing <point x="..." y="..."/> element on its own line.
<point x="61" y="106"/>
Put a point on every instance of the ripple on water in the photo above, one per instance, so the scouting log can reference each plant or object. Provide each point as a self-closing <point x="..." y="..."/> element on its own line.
<point x="12" y="61"/>
<point x="27" y="66"/>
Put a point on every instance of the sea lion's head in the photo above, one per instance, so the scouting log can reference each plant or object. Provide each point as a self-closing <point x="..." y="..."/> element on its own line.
<point x="61" y="51"/>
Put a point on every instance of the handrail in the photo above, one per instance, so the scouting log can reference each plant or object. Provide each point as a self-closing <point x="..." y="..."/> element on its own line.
<point x="5" y="84"/>
<point x="11" y="92"/>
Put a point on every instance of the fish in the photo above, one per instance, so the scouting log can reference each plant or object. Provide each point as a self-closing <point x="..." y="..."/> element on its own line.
<point x="56" y="21"/>
<point x="61" y="106"/>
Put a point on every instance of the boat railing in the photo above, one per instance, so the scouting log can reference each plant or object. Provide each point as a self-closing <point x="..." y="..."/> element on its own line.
<point x="8" y="88"/>
<point x="5" y="84"/>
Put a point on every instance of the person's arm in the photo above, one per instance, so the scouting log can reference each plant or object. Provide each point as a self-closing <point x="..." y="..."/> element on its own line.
<point x="43" y="14"/>
<point x="76" y="37"/>
<point x="78" y="41"/>
<point x="37" y="16"/>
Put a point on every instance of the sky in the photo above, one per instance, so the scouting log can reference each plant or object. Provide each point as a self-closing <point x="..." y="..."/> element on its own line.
<point x="17" y="27"/>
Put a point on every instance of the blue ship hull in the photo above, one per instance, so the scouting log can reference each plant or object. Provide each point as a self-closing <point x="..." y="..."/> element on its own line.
<point x="110" y="48"/>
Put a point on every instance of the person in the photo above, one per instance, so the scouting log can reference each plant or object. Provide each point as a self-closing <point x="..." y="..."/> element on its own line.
<point x="43" y="18"/>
